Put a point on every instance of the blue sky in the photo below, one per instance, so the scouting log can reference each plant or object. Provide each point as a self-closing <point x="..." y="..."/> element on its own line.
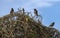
<point x="49" y="9"/>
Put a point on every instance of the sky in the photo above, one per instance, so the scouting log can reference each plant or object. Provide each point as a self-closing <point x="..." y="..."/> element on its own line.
<point x="49" y="9"/>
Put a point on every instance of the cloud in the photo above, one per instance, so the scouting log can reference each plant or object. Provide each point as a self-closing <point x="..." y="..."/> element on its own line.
<point x="36" y="4"/>
<point x="30" y="4"/>
<point x="53" y="0"/>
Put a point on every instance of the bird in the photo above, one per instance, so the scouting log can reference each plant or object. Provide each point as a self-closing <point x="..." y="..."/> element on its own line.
<point x="23" y="10"/>
<point x="52" y="24"/>
<point x="11" y="11"/>
<point x="36" y="12"/>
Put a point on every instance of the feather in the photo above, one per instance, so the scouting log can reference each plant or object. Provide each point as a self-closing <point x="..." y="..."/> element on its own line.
<point x="35" y="12"/>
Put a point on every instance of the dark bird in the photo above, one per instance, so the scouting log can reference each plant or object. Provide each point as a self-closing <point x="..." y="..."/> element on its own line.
<point x="23" y="10"/>
<point x="52" y="24"/>
<point x="12" y="10"/>
<point x="36" y="12"/>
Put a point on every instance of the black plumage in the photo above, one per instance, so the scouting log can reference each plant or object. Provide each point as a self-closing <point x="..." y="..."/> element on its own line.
<point x="36" y="12"/>
<point x="23" y="10"/>
<point x="12" y="10"/>
<point x="52" y="24"/>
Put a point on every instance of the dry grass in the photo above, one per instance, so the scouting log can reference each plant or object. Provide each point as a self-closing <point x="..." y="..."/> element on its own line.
<point x="22" y="25"/>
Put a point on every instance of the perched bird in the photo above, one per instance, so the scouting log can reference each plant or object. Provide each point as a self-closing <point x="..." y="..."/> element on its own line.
<point x="23" y="10"/>
<point x="12" y="12"/>
<point x="36" y="12"/>
<point x="52" y="24"/>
